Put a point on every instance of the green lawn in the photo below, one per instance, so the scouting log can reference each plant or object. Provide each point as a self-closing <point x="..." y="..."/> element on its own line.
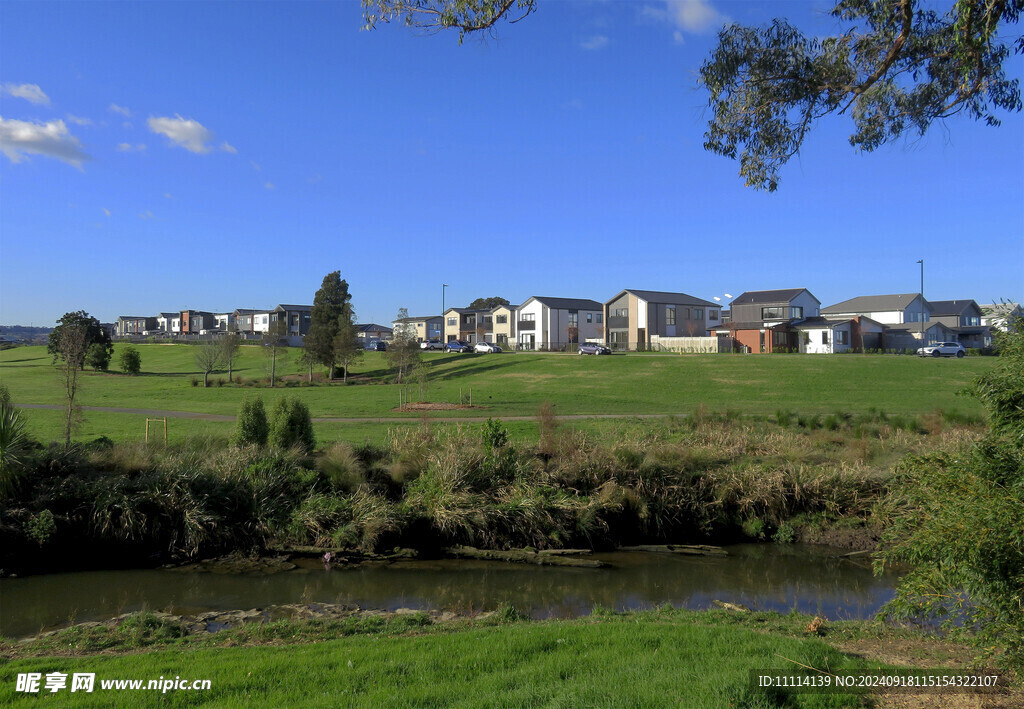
<point x="509" y="384"/>
<point x="654" y="659"/>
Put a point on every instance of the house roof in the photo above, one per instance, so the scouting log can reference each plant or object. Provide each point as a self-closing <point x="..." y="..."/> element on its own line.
<point x="873" y="303"/>
<point x="294" y="307"/>
<point x="951" y="307"/>
<point x="372" y="326"/>
<point x="656" y="296"/>
<point x="566" y="303"/>
<point x="783" y="295"/>
<point x="916" y="327"/>
<point x="250" y="311"/>
<point x="467" y="311"/>
<point x="818" y="323"/>
<point x="411" y="319"/>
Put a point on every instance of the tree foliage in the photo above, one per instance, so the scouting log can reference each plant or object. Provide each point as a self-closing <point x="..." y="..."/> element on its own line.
<point x="14" y="444"/>
<point x="957" y="519"/>
<point x="330" y="304"/>
<point x="467" y="16"/>
<point x="98" y="356"/>
<point x="899" y="67"/>
<point x="488" y="303"/>
<point x="403" y="352"/>
<point x="251" y="428"/>
<point x="66" y="337"/>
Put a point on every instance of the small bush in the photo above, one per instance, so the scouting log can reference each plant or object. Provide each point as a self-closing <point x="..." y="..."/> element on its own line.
<point x="251" y="428"/>
<point x="342" y="467"/>
<point x="219" y="381"/>
<point x="98" y="357"/>
<point x="194" y="381"/>
<point x="292" y="426"/>
<point x="131" y="360"/>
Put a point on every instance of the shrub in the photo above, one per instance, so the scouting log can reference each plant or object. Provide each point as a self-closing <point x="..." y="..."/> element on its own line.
<point x="14" y="443"/>
<point x="194" y="381"/>
<point x="251" y="428"/>
<point x="342" y="467"/>
<point x="131" y="360"/>
<point x="98" y="356"/>
<point x="292" y="426"/>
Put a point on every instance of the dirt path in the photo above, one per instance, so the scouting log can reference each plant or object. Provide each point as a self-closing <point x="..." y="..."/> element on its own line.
<point x="414" y="416"/>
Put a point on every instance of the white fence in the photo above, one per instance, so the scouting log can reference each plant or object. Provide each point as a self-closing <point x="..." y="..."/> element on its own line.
<point x="687" y="345"/>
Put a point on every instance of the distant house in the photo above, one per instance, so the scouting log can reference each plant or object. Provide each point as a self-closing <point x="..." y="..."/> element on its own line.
<point x="372" y="331"/>
<point x="905" y="315"/>
<point x="764" y="320"/>
<point x="194" y="322"/>
<point x="251" y="320"/>
<point x="296" y="318"/>
<point x="503" y="318"/>
<point x="468" y="324"/>
<point x="225" y="322"/>
<point x="558" y="323"/>
<point x="820" y="335"/>
<point x="421" y="329"/>
<point x="963" y="318"/>
<point x="128" y="325"/>
<point x="633" y="315"/>
<point x="998" y="316"/>
<point x="168" y="322"/>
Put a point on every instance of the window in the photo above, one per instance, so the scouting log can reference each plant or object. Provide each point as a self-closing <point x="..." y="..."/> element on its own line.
<point x="712" y="315"/>
<point x="600" y="318"/>
<point x="698" y="313"/>
<point x="824" y="337"/>
<point x="772" y="312"/>
<point x="590" y="317"/>
<point x="501" y="319"/>
<point x="452" y="322"/>
<point x="842" y="337"/>
<point x="796" y="313"/>
<point x="574" y="318"/>
<point x="670" y="316"/>
<point x="620" y="313"/>
<point x="527" y="317"/>
<point x="779" y="338"/>
<point x="969" y="321"/>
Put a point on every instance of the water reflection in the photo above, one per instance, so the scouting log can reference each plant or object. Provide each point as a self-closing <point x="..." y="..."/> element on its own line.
<point x="767" y="577"/>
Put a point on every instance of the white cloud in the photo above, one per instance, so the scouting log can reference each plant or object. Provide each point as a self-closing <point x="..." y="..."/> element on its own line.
<point x="255" y="165"/>
<point x="129" y="148"/>
<point x="21" y="138"/>
<point x="167" y="195"/>
<point x="270" y="185"/>
<point x="120" y="109"/>
<point x="186" y="132"/>
<point x="598" y="41"/>
<point x="146" y="215"/>
<point x="106" y="211"/>
<point x="30" y="92"/>
<point x="228" y="148"/>
<point x="78" y="120"/>
<point x="686" y="15"/>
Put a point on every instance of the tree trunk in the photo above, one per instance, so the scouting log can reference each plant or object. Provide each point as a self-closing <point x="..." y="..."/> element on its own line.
<point x="206" y="380"/>
<point x="273" y="367"/>
<point x="229" y="370"/>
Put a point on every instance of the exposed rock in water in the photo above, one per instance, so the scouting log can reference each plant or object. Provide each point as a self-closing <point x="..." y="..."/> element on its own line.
<point x="524" y="556"/>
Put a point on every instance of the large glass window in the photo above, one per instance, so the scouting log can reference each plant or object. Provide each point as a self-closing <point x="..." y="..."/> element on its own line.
<point x="698" y="313"/>
<point x="775" y="312"/>
<point x="501" y="319"/>
<point x="452" y="322"/>
<point x="670" y="316"/>
<point x="620" y="313"/>
<point x="527" y="317"/>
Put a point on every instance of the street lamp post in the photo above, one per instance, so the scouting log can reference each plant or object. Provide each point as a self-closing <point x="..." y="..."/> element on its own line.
<point x="921" y="261"/>
<point x="443" y="286"/>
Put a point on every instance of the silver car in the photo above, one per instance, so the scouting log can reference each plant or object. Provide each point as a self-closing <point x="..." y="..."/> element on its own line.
<point x="487" y="348"/>
<point x="942" y="349"/>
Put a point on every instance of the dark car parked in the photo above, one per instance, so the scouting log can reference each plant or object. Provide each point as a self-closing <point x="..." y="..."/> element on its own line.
<point x="592" y="348"/>
<point x="458" y="346"/>
<point x="377" y="345"/>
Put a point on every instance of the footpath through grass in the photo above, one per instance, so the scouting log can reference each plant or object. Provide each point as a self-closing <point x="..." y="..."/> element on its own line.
<point x="509" y="384"/>
<point x="652" y="659"/>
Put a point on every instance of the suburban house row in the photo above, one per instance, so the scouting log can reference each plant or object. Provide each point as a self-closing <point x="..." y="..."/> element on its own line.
<point x="789" y="320"/>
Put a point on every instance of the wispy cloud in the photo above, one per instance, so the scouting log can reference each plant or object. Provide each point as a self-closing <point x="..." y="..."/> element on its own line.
<point x="129" y="148"/>
<point x="187" y="133"/>
<point x="52" y="139"/>
<point x="30" y="92"/>
<point x="597" y="41"/>
<point x="78" y="120"/>
<point x="114" y="108"/>
<point x="270" y="185"/>
<point x="106" y="211"/>
<point x="146" y="215"/>
<point x="687" y="15"/>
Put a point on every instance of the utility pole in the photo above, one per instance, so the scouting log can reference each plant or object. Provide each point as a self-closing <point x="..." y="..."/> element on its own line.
<point x="921" y="261"/>
<point x="443" y="326"/>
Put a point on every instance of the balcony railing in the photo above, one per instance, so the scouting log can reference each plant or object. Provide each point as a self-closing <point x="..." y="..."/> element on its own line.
<point x="527" y="325"/>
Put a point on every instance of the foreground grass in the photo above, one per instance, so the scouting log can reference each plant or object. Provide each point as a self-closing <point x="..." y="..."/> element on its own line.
<point x="652" y="659"/>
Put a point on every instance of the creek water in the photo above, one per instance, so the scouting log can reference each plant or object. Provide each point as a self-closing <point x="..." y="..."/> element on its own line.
<point x="762" y="576"/>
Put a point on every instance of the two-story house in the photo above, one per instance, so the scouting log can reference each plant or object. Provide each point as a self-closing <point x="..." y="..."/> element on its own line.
<point x="251" y="320"/>
<point x="296" y="318"/>
<point x="906" y="316"/>
<point x="545" y="323"/>
<point x="763" y="320"/>
<point x="468" y="324"/>
<point x="128" y="325"/>
<point x="633" y="315"/>
<point x="421" y="329"/>
<point x="963" y="318"/>
<point x="503" y="318"/>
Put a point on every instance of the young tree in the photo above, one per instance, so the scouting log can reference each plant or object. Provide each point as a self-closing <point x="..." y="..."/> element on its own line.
<point x="403" y="352"/>
<point x="291" y="425"/>
<point x="273" y="342"/>
<point x="131" y="360"/>
<point x="251" y="427"/>
<point x="330" y="304"/>
<point x="69" y="343"/>
<point x="207" y="355"/>
<point x="229" y="346"/>
<point x="71" y="325"/>
<point x="348" y="348"/>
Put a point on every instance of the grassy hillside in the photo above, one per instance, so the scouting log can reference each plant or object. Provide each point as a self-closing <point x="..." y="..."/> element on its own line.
<point x="505" y="385"/>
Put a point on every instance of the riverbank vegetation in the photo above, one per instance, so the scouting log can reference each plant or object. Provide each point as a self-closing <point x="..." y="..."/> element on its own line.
<point x="655" y="658"/>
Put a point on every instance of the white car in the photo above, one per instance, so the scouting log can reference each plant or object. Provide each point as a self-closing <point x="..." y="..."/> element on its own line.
<point x="942" y="349"/>
<point x="432" y="345"/>
<point x="486" y="347"/>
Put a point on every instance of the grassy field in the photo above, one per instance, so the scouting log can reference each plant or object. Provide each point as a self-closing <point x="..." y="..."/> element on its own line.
<point x="653" y="659"/>
<point x="502" y="386"/>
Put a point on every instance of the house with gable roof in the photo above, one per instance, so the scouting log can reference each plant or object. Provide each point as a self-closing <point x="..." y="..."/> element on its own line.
<point x="963" y="318"/>
<point x="548" y="323"/>
<point x="764" y="321"/>
<point x="907" y="317"/>
<point x="632" y="316"/>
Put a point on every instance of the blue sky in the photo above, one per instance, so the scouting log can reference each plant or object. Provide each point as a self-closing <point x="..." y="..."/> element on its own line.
<point x="162" y="156"/>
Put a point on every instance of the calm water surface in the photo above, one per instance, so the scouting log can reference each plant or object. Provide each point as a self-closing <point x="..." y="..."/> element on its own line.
<point x="763" y="577"/>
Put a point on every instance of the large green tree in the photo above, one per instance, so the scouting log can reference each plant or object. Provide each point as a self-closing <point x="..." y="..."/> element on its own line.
<point x="71" y="328"/>
<point x="488" y="303"/>
<point x="895" y="66"/>
<point x="331" y="304"/>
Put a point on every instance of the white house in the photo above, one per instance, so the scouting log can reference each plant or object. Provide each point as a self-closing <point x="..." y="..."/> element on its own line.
<point x="900" y="309"/>
<point x="558" y="323"/>
<point x="830" y="335"/>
